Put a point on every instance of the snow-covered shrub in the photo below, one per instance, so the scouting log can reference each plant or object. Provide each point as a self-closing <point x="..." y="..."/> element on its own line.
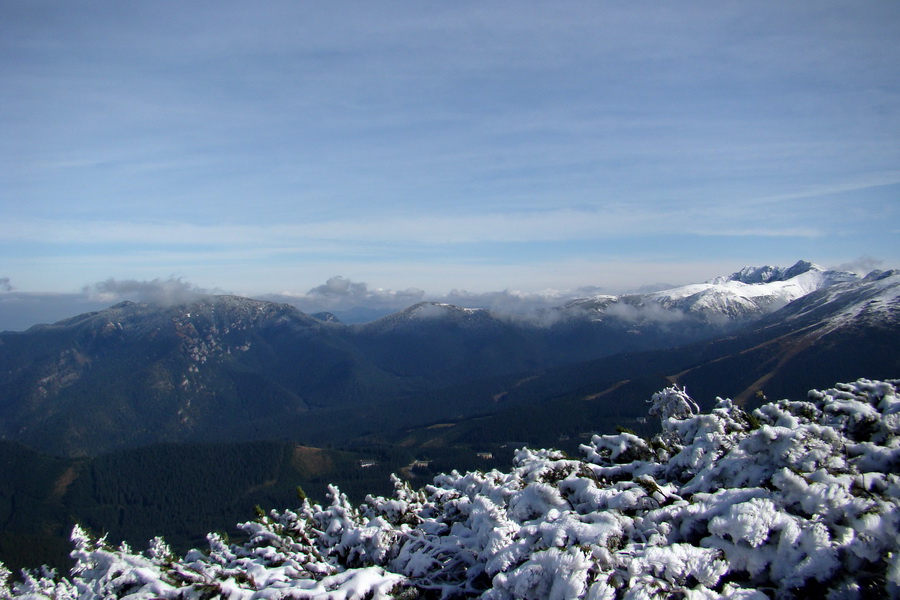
<point x="798" y="499"/>
<point x="551" y="574"/>
<point x="673" y="403"/>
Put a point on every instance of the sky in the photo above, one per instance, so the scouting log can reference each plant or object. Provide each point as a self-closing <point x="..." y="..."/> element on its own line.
<point x="387" y="152"/>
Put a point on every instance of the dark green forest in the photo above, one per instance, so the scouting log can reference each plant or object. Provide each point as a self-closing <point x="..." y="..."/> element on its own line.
<point x="183" y="491"/>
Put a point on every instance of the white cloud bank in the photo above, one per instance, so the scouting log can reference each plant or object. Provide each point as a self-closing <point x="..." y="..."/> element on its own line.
<point x="164" y="292"/>
<point x="357" y="301"/>
<point x="354" y="300"/>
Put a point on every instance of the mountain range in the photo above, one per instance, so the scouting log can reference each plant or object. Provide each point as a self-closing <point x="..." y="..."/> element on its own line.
<point x="230" y="368"/>
<point x="107" y="418"/>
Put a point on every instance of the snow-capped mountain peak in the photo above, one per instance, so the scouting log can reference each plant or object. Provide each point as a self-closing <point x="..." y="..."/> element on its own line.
<point x="752" y="291"/>
<point x="768" y="273"/>
<point x="746" y="294"/>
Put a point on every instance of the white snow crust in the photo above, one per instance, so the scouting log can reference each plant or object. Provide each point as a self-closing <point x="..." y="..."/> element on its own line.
<point x="797" y="499"/>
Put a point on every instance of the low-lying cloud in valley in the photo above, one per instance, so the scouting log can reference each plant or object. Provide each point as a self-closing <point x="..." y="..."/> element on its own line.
<point x="514" y="302"/>
<point x="648" y="312"/>
<point x="356" y="301"/>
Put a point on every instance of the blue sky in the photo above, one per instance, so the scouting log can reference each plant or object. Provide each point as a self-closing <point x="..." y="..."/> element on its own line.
<point x="419" y="149"/>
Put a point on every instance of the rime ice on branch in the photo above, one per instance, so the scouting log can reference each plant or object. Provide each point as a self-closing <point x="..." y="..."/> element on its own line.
<point x="673" y="403"/>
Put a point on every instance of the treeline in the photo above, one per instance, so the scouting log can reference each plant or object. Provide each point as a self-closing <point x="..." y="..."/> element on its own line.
<point x="179" y="491"/>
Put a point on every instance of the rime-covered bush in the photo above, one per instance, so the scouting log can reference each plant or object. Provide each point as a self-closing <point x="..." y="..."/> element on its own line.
<point x="797" y="499"/>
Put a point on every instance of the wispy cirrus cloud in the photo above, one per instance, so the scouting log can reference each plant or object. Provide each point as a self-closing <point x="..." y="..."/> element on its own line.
<point x="612" y="221"/>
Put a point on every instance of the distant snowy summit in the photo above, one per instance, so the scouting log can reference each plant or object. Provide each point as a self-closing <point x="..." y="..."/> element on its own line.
<point x="744" y="295"/>
<point x="767" y="274"/>
<point x="752" y="291"/>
